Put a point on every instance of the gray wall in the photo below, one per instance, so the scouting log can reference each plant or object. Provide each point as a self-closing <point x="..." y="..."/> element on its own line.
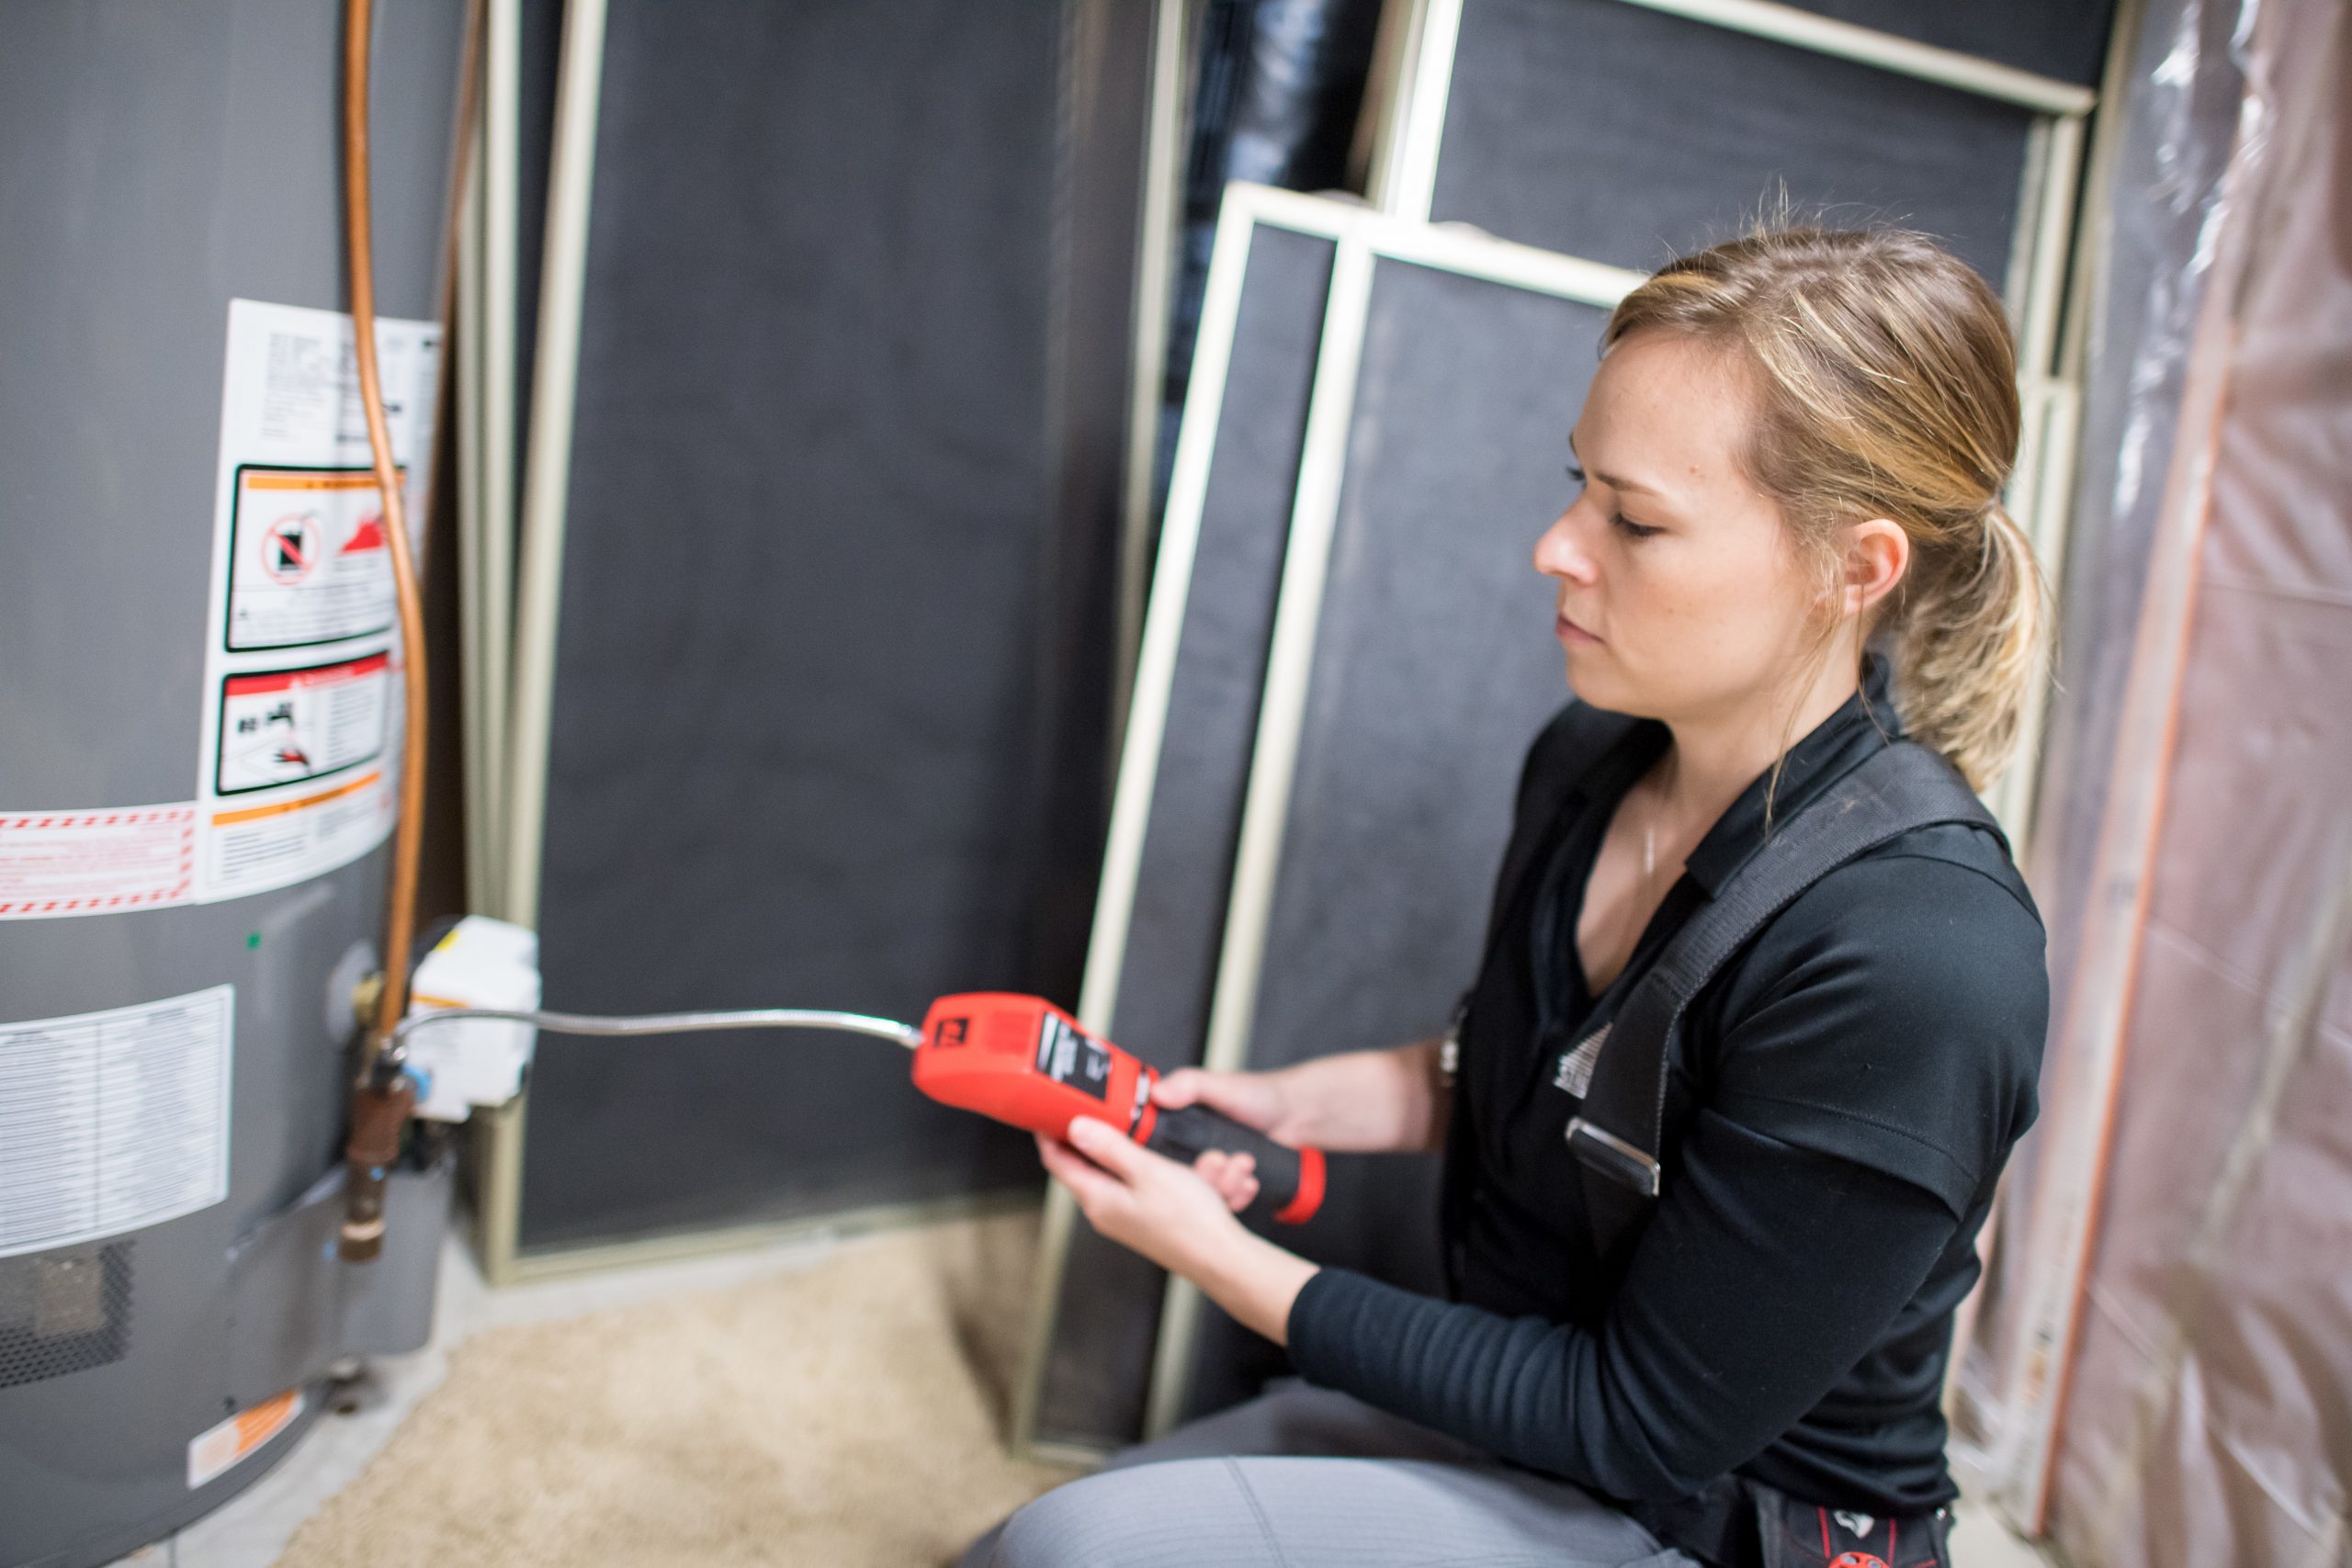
<point x="832" y="702"/>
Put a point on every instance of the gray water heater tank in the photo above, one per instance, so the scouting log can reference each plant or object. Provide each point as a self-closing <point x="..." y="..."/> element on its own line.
<point x="173" y="1073"/>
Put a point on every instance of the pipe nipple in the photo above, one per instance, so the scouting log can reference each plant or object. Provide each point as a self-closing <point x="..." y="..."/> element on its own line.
<point x="366" y="995"/>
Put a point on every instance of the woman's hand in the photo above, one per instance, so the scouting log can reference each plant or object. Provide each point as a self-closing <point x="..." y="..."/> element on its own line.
<point x="1359" y="1102"/>
<point x="1255" y="1100"/>
<point x="1172" y="1215"/>
<point x="1234" y="1177"/>
<point x="1142" y="1200"/>
<point x="1264" y="1100"/>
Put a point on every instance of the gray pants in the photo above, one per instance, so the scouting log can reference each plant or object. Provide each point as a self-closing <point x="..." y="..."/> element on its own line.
<point x="1306" y="1478"/>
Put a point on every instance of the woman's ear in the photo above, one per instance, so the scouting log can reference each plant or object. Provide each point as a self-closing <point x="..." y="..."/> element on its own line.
<point x="1878" y="552"/>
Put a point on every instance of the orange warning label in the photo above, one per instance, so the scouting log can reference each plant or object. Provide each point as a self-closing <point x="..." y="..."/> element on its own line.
<point x="308" y="562"/>
<point x="287" y="807"/>
<point x="213" y="1453"/>
<point x="268" y="844"/>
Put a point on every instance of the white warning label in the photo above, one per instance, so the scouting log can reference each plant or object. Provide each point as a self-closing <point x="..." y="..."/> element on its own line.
<point x="96" y="863"/>
<point x="292" y="765"/>
<point x="113" y="1120"/>
<point x="309" y="562"/>
<point x="295" y="750"/>
<point x="285" y="727"/>
<point x="277" y="841"/>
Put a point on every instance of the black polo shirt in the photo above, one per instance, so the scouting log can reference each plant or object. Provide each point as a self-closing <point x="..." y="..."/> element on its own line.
<point x="1843" y="1098"/>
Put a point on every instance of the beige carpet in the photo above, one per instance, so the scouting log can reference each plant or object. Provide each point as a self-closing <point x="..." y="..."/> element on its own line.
<point x="848" y="1414"/>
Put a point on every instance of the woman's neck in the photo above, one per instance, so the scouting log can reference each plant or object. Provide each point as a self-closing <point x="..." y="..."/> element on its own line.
<point x="1715" y="756"/>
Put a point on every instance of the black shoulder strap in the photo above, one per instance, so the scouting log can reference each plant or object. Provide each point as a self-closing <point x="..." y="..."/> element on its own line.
<point x="1618" y="1136"/>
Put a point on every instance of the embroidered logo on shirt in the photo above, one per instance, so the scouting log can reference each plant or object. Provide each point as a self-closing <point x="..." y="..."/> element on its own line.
<point x="1576" y="1067"/>
<point x="1856" y="1524"/>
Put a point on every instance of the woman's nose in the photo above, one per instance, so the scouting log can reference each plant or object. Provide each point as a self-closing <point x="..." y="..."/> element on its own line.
<point x="1560" y="551"/>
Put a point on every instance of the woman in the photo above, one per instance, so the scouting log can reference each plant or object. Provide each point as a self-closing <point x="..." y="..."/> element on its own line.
<point x="1787" y="550"/>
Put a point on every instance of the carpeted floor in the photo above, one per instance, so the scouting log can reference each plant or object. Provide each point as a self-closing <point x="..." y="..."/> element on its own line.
<point x="848" y="1414"/>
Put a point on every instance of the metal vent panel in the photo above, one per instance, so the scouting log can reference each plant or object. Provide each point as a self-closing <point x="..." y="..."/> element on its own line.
<point x="64" y="1311"/>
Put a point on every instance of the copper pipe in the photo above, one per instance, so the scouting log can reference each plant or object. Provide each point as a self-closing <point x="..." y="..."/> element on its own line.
<point x="380" y="1100"/>
<point x="400" y="920"/>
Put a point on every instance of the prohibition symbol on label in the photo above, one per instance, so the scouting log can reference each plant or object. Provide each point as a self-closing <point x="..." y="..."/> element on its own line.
<point x="290" y="548"/>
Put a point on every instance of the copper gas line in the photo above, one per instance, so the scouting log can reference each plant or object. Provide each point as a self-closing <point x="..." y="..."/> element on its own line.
<point x="382" y="1096"/>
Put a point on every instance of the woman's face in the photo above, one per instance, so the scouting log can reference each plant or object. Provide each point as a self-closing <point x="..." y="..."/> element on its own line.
<point x="1682" y="595"/>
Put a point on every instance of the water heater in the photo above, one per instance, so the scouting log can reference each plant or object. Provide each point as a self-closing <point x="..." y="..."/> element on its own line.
<point x="198" y="734"/>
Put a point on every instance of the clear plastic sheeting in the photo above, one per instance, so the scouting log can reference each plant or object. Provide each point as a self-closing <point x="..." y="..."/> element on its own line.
<point x="2163" y="1370"/>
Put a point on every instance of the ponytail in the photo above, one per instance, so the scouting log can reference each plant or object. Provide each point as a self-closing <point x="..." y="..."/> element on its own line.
<point x="1967" y="640"/>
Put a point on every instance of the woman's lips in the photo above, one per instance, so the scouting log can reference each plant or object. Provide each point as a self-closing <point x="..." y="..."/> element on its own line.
<point x="1568" y="632"/>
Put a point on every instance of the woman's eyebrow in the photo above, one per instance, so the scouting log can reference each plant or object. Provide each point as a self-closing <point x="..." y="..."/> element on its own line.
<point x="1611" y="480"/>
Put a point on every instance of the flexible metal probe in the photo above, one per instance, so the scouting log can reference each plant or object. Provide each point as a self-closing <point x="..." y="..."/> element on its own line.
<point x="887" y="1029"/>
<point x="1018" y="1059"/>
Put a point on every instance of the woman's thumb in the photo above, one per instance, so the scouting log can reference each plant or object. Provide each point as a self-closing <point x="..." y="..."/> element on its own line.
<point x="1249" y="1099"/>
<point x="1182" y="1087"/>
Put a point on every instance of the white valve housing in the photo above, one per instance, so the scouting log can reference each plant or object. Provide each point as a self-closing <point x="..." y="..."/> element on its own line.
<point x="481" y="964"/>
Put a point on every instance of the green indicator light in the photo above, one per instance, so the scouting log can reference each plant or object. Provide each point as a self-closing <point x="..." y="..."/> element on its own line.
<point x="253" y="940"/>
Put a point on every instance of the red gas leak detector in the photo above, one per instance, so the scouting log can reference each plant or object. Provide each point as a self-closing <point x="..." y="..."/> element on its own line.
<point x="1019" y="1059"/>
<point x="1023" y="1061"/>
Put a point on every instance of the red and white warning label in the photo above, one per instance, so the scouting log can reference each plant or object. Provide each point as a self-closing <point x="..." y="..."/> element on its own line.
<point x="308" y="559"/>
<point x="286" y="725"/>
<point x="96" y="863"/>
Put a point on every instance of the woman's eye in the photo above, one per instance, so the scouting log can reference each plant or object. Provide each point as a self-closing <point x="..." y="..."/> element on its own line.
<point x="1632" y="529"/>
<point x="1576" y="474"/>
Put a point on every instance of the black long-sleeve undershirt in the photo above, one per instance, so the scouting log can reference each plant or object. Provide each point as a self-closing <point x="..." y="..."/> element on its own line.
<point x="1738" y="1323"/>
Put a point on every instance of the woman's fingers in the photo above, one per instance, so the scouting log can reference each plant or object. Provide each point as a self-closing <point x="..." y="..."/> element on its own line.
<point x="1235" y="1176"/>
<point x="1178" y="1088"/>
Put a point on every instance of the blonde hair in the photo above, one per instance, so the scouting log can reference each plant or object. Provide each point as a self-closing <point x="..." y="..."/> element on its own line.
<point x="1887" y="387"/>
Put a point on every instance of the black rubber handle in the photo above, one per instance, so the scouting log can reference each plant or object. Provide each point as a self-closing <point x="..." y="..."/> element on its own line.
<point x="1290" y="1181"/>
